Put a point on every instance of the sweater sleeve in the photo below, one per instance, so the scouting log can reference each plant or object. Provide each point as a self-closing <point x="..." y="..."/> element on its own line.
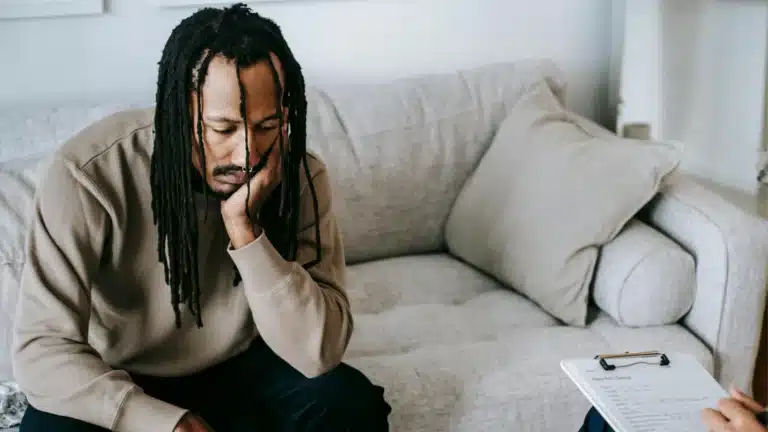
<point x="55" y="366"/>
<point x="302" y="314"/>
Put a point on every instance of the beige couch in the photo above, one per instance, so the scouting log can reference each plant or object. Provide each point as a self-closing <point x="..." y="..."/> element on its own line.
<point x="489" y="234"/>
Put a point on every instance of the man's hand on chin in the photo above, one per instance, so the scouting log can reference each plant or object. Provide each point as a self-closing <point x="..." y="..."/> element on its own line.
<point x="240" y="228"/>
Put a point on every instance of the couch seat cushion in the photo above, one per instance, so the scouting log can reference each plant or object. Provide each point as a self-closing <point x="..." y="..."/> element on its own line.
<point x="405" y="303"/>
<point x="457" y="351"/>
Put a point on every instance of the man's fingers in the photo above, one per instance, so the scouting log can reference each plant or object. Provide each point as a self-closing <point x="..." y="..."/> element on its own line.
<point x="259" y="188"/>
<point x="273" y="165"/>
<point x="250" y="196"/>
<point x="714" y="420"/>
<point x="263" y="182"/>
<point x="747" y="401"/>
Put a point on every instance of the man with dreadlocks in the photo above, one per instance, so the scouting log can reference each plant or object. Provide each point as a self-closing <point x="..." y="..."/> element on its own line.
<point x="184" y="268"/>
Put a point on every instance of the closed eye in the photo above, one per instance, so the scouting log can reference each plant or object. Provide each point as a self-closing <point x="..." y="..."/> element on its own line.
<point x="259" y="128"/>
<point x="267" y="126"/>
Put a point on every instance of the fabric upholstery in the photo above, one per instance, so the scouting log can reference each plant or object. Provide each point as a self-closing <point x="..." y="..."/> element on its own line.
<point x="479" y="358"/>
<point x="643" y="278"/>
<point x="34" y="130"/>
<point x="552" y="188"/>
<point x="730" y="247"/>
<point x="401" y="151"/>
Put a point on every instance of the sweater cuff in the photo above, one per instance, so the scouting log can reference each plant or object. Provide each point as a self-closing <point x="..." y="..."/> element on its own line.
<point x="261" y="266"/>
<point x="141" y="412"/>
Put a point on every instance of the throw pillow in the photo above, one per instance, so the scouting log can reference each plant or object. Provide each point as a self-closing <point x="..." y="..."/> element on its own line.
<point x="643" y="278"/>
<point x="551" y="189"/>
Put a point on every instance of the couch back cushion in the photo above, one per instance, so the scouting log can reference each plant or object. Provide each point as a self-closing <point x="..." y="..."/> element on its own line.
<point x="399" y="152"/>
<point x="34" y="130"/>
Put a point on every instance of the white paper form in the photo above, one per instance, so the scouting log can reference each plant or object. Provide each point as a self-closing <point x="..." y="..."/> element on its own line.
<point x="642" y="396"/>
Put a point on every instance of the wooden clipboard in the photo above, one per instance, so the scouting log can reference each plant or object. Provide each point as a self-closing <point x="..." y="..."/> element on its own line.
<point x="646" y="391"/>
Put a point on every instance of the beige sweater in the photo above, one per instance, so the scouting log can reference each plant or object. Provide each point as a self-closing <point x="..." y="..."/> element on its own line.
<point x="94" y="303"/>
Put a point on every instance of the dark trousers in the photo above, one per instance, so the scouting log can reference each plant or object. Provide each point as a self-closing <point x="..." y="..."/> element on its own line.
<point x="257" y="391"/>
<point x="594" y="422"/>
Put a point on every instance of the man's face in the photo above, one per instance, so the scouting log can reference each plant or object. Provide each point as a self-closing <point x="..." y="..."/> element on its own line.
<point x="224" y="133"/>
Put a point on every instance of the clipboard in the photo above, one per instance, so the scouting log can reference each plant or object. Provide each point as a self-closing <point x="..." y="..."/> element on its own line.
<point x="646" y="391"/>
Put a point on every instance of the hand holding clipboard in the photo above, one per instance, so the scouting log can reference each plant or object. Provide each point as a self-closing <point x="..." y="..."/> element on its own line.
<point x="738" y="413"/>
<point x="648" y="391"/>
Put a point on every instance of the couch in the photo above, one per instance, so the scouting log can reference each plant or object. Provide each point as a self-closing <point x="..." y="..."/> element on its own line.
<point x="477" y="261"/>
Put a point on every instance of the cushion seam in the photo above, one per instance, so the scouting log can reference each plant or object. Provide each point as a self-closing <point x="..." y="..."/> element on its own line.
<point x="626" y="278"/>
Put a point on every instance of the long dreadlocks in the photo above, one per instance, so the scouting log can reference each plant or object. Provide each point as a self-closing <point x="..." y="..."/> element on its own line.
<point x="246" y="38"/>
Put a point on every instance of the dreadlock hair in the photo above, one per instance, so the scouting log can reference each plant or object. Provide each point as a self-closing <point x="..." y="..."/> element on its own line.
<point x="246" y="38"/>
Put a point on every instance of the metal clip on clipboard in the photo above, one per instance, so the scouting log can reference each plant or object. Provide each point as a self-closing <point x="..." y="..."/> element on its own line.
<point x="663" y="361"/>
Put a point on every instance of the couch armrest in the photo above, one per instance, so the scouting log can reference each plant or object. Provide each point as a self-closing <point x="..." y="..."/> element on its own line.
<point x="730" y="247"/>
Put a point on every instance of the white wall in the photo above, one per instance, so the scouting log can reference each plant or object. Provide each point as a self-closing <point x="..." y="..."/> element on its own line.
<point x="83" y="58"/>
<point x="696" y="72"/>
<point x="712" y="57"/>
<point x="726" y="140"/>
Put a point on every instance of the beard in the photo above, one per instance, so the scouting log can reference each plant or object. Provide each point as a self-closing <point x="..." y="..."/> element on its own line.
<point x="200" y="186"/>
<point x="221" y="196"/>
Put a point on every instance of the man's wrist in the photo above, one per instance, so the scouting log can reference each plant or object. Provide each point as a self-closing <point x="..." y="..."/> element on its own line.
<point x="242" y="234"/>
<point x="139" y="409"/>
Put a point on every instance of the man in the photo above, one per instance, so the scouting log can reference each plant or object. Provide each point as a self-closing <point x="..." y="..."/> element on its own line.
<point x="737" y="413"/>
<point x="242" y="322"/>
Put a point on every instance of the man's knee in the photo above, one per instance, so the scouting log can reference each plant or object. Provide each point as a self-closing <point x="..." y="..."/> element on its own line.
<point x="349" y="397"/>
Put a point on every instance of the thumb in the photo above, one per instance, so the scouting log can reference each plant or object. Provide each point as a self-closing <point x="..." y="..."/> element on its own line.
<point x="745" y="400"/>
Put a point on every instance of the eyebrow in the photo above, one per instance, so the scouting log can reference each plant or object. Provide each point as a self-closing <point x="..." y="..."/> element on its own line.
<point x="226" y="119"/>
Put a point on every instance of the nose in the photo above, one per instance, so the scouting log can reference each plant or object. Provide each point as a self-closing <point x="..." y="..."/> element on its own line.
<point x="239" y="150"/>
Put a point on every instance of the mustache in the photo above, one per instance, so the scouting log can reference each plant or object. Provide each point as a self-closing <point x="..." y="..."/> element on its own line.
<point x="222" y="170"/>
<point x="227" y="169"/>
